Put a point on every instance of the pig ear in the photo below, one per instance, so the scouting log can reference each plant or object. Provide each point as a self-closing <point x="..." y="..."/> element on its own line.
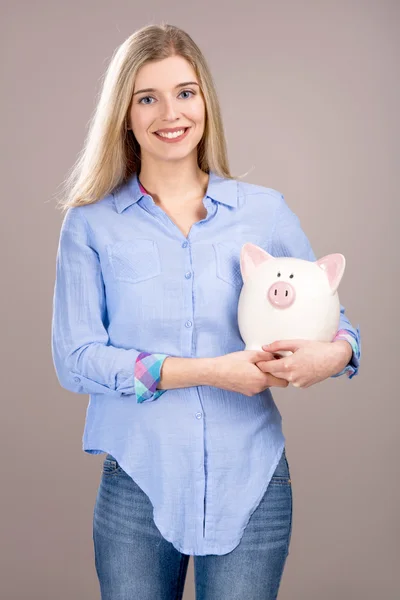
<point x="251" y="256"/>
<point x="333" y="265"/>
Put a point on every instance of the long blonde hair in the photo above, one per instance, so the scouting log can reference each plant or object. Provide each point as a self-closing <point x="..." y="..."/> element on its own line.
<point x="111" y="153"/>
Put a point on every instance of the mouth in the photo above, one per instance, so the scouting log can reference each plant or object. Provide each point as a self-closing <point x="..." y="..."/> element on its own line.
<point x="174" y="138"/>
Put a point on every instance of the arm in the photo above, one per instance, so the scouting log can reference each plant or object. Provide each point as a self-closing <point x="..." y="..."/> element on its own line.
<point x="84" y="360"/>
<point x="291" y="240"/>
<point x="186" y="372"/>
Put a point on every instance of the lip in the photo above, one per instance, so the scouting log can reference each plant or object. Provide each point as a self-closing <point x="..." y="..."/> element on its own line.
<point x="171" y="129"/>
<point x="173" y="140"/>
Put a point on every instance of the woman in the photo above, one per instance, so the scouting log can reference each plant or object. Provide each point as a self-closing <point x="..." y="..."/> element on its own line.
<point x="145" y="321"/>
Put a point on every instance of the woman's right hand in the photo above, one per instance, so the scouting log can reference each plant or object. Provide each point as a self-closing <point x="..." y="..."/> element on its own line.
<point x="238" y="372"/>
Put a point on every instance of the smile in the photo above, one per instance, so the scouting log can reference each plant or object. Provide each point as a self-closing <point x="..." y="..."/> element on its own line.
<point x="172" y="137"/>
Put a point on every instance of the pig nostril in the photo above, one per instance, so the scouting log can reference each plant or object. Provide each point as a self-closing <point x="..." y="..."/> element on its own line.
<point x="281" y="295"/>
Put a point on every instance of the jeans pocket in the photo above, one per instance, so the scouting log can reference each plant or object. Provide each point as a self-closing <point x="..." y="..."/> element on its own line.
<point x="281" y="474"/>
<point x="111" y="466"/>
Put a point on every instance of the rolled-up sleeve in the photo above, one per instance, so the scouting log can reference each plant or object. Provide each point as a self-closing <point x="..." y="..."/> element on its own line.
<point x="290" y="240"/>
<point x="85" y="362"/>
<point x="147" y="375"/>
<point x="351" y="369"/>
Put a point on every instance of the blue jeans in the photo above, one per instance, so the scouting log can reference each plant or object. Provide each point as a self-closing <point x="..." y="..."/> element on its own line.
<point x="148" y="567"/>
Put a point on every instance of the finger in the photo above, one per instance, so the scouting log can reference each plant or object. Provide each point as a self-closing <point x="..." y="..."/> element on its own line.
<point x="264" y="361"/>
<point x="277" y="381"/>
<point x="291" y="345"/>
<point x="278" y="367"/>
<point x="261" y="364"/>
<point x="261" y="355"/>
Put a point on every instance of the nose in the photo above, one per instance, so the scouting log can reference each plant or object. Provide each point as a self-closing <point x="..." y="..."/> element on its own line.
<point x="281" y="294"/>
<point x="169" y="110"/>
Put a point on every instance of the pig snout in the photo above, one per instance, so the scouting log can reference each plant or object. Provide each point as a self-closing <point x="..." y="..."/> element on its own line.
<point x="281" y="294"/>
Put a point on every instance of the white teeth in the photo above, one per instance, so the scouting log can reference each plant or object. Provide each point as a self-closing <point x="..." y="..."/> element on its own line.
<point x="171" y="135"/>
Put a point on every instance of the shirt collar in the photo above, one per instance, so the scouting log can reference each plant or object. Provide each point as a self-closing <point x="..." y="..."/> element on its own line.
<point x="219" y="189"/>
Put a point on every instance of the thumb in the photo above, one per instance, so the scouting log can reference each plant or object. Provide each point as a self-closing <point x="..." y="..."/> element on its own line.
<point x="291" y="345"/>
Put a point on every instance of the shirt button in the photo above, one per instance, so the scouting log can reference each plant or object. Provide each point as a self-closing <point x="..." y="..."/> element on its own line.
<point x="198" y="415"/>
<point x="188" y="323"/>
<point x="188" y="275"/>
<point x="184" y="245"/>
<point x="77" y="379"/>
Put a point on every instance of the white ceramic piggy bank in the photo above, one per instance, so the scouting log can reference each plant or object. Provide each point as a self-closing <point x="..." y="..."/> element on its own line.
<point x="288" y="298"/>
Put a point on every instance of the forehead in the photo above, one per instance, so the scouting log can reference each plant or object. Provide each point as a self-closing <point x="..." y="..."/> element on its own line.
<point x="165" y="74"/>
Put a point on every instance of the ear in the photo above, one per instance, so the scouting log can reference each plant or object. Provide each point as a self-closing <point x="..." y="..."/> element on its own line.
<point x="251" y="256"/>
<point x="333" y="265"/>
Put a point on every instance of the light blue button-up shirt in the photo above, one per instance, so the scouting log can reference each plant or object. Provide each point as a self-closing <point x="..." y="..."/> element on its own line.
<point x="128" y="281"/>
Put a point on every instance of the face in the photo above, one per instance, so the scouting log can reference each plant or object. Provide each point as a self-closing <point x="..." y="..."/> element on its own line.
<point x="169" y="106"/>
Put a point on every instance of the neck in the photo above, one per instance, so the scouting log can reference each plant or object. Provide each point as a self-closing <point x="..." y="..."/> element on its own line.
<point x="174" y="186"/>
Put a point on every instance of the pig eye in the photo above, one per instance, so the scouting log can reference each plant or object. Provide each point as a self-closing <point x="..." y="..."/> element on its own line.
<point x="291" y="276"/>
<point x="278" y="275"/>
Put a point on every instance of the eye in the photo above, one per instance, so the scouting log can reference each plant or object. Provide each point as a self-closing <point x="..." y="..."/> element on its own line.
<point x="291" y="276"/>
<point x="145" y="97"/>
<point x="188" y="91"/>
<point x="278" y="275"/>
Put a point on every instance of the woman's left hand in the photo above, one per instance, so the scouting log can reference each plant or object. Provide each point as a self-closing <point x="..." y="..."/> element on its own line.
<point x="310" y="362"/>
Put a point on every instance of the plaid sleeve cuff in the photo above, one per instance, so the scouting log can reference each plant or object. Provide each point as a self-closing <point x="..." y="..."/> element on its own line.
<point x="147" y="375"/>
<point x="354" y="339"/>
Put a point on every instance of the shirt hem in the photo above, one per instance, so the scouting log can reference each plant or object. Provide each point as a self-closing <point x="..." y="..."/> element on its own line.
<point x="207" y="548"/>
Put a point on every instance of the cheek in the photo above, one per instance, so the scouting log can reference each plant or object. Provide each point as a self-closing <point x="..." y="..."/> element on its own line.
<point x="197" y="112"/>
<point x="140" y="121"/>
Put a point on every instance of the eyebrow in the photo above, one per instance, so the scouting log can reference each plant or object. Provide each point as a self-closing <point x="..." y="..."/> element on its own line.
<point x="177" y="86"/>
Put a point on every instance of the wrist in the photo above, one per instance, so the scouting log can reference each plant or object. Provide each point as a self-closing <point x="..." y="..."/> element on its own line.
<point x="344" y="350"/>
<point x="208" y="371"/>
<point x="186" y="372"/>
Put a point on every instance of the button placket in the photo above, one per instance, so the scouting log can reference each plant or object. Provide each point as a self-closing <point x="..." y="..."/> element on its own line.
<point x="188" y="275"/>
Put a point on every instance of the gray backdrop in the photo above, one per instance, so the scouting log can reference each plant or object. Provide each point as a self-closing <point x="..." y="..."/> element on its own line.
<point x="310" y="100"/>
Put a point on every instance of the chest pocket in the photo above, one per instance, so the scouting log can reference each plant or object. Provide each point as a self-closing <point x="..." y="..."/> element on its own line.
<point x="227" y="256"/>
<point x="134" y="261"/>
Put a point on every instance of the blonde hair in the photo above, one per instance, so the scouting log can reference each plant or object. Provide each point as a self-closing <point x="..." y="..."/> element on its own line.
<point x="111" y="153"/>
